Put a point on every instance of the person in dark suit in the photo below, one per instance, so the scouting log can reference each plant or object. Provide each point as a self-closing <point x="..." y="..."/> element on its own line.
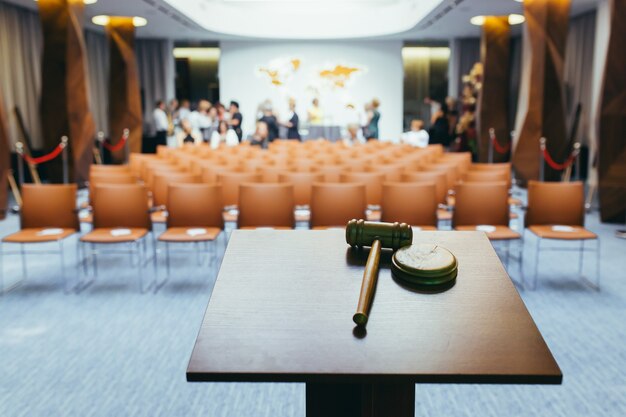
<point x="270" y="120"/>
<point x="235" y="119"/>
<point x="293" y="123"/>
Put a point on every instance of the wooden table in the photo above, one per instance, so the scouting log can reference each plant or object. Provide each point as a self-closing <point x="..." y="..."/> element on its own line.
<point x="282" y="308"/>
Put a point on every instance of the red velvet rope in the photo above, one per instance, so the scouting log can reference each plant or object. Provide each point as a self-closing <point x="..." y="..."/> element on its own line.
<point x="498" y="148"/>
<point x="45" y="158"/>
<point x="118" y="146"/>
<point x="555" y="165"/>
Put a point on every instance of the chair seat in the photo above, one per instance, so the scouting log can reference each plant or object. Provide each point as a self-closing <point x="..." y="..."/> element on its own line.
<point x="515" y="201"/>
<point x="159" y="216"/>
<point x="180" y="234"/>
<point x="87" y="218"/>
<point x="265" y="227"/>
<point x="418" y="228"/>
<point x="38" y="235"/>
<point x="230" y="217"/>
<point x="303" y="217"/>
<point x="547" y="232"/>
<point x="500" y="232"/>
<point x="104" y="235"/>
<point x="374" y="215"/>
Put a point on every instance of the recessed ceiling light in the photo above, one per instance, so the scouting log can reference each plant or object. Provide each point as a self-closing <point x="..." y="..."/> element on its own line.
<point x="477" y="20"/>
<point x="516" y="19"/>
<point x="103" y="20"/>
<point x="86" y="1"/>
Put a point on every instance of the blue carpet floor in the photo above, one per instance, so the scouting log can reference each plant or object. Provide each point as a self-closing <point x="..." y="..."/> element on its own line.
<point x="111" y="351"/>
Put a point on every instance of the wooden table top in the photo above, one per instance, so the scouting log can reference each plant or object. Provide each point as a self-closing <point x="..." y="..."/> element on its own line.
<point x="282" y="306"/>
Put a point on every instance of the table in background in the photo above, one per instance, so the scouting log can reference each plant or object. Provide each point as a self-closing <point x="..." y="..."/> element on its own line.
<point x="330" y="132"/>
<point x="282" y="306"/>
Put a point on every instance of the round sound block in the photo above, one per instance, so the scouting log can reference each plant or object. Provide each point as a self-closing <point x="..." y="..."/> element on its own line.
<point x="424" y="264"/>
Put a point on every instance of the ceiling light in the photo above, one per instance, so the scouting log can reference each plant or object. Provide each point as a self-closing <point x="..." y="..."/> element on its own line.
<point x="516" y="19"/>
<point x="103" y="20"/>
<point x="140" y="21"/>
<point x="477" y="20"/>
<point x="87" y="1"/>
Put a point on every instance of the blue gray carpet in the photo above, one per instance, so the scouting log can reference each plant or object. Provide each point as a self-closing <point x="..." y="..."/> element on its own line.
<point x="111" y="351"/>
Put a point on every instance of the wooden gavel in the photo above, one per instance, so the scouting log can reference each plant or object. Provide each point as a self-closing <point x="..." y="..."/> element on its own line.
<point x="360" y="233"/>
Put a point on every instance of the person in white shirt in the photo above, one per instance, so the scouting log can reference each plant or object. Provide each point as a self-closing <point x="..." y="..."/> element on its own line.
<point x="187" y="136"/>
<point x="183" y="111"/>
<point x="224" y="135"/>
<point x="200" y="120"/>
<point x="417" y="136"/>
<point x="161" y="123"/>
<point x="355" y="136"/>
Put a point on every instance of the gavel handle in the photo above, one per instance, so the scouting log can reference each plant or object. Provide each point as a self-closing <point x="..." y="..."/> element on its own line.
<point x="370" y="276"/>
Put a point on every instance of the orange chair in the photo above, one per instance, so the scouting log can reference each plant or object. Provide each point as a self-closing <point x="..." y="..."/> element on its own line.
<point x="556" y="212"/>
<point x="334" y="204"/>
<point x="48" y="214"/>
<point x="484" y="206"/>
<point x="230" y="182"/>
<point x="266" y="205"/>
<point x="413" y="203"/>
<point x="392" y="172"/>
<point x="271" y="173"/>
<point x="120" y="216"/>
<point x="194" y="216"/>
<point x="331" y="173"/>
<point x="373" y="182"/>
<point x="162" y="181"/>
<point x="302" y="184"/>
<point x="451" y="170"/>
<point x="487" y="176"/>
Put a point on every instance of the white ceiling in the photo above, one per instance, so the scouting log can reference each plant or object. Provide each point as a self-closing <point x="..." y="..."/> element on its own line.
<point x="215" y="20"/>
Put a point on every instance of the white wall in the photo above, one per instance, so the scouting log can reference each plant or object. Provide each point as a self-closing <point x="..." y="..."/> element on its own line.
<point x="380" y="75"/>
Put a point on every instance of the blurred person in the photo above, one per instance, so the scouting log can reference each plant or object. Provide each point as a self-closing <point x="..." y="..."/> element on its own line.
<point x="200" y="120"/>
<point x="373" y="120"/>
<point x="353" y="136"/>
<point x="236" y="119"/>
<point x="187" y="134"/>
<point x="417" y="136"/>
<point x="161" y="123"/>
<point x="261" y="135"/>
<point x="315" y="114"/>
<point x="184" y="110"/>
<point x="293" y="123"/>
<point x="224" y="135"/>
<point x="440" y="130"/>
<point x="271" y="122"/>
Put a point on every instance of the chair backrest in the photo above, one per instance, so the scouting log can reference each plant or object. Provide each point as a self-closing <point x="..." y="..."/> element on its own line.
<point x="451" y="170"/>
<point x="555" y="203"/>
<point x="49" y="205"/>
<point x="373" y="182"/>
<point x="230" y="182"/>
<point x="480" y="203"/>
<point x="271" y="173"/>
<point x="108" y="178"/>
<point x="500" y="166"/>
<point x="487" y="176"/>
<point x="334" y="204"/>
<point x="109" y="169"/>
<point x="162" y="182"/>
<point x="269" y="205"/>
<point x="409" y="202"/>
<point x="331" y="173"/>
<point x="195" y="205"/>
<point x="302" y="185"/>
<point x="439" y="178"/>
<point x="121" y="205"/>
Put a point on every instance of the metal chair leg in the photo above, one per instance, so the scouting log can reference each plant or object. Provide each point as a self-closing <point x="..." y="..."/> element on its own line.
<point x="139" y="265"/>
<point x="94" y="259"/>
<point x="167" y="258"/>
<point x="1" y="272"/>
<point x="23" y="256"/>
<point x="581" y="256"/>
<point x="62" y="261"/>
<point x="533" y="284"/>
<point x="598" y="272"/>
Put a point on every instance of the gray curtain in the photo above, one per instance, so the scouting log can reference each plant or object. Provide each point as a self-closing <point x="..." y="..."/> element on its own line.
<point x="98" y="65"/>
<point x="20" y="68"/>
<point x="156" y="66"/>
<point x="464" y="53"/>
<point x="579" y="71"/>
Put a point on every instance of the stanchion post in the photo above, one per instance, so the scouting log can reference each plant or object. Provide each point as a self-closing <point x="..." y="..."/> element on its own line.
<point x="19" y="148"/>
<point x="127" y="145"/>
<point x="101" y="145"/>
<point x="66" y="173"/>
<point x="542" y="149"/>
<point x="577" y="161"/>
<point x="492" y="135"/>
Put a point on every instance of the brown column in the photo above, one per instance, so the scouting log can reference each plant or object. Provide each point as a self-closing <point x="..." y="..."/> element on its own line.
<point x="64" y="103"/>
<point x="5" y="159"/>
<point x="493" y="101"/>
<point x="124" y="95"/>
<point x="612" y="152"/>
<point x="547" y="24"/>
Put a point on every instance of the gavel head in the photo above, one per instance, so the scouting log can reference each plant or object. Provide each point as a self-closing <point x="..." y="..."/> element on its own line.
<point x="360" y="233"/>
